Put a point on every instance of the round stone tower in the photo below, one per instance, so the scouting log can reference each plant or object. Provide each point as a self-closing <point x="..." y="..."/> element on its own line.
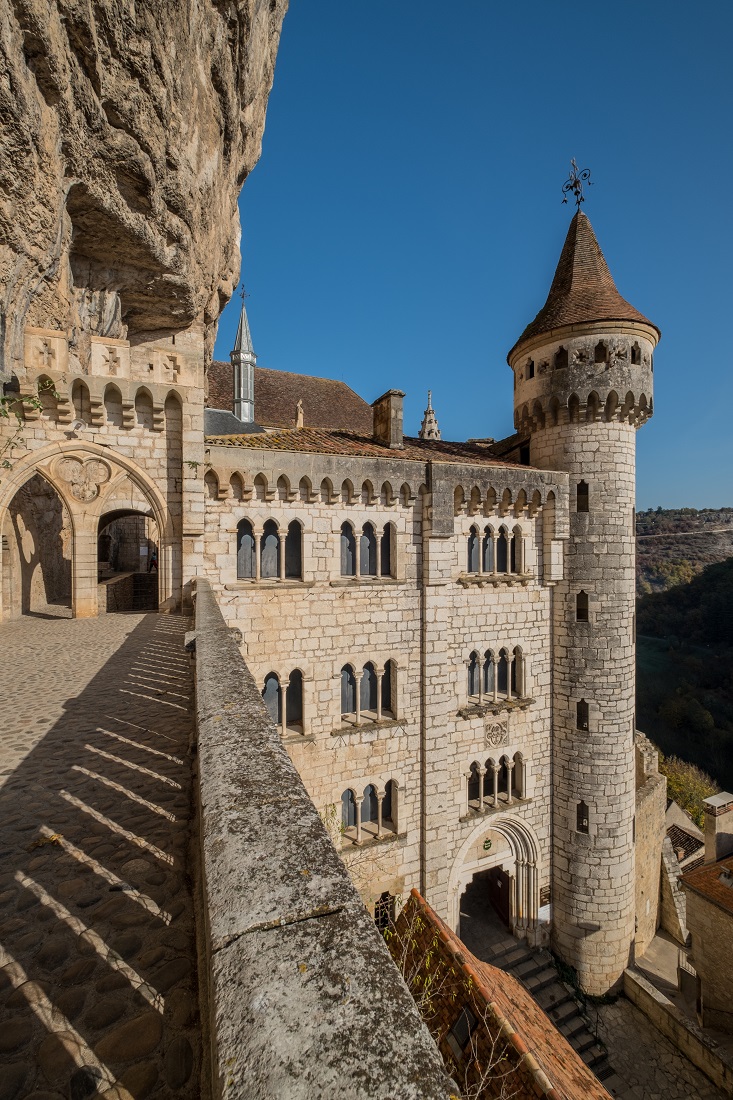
<point x="583" y="385"/>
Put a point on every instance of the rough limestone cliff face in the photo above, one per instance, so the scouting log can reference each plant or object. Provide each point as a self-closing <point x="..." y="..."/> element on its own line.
<point x="128" y="128"/>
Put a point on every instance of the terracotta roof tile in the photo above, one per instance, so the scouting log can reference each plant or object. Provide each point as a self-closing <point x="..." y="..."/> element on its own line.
<point x="350" y="443"/>
<point x="327" y="403"/>
<point x="583" y="289"/>
<point x="685" y="841"/>
<point x="560" y="1067"/>
<point x="707" y="881"/>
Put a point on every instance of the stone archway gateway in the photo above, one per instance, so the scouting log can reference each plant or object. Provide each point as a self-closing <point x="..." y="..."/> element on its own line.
<point x="90" y="481"/>
<point x="504" y="840"/>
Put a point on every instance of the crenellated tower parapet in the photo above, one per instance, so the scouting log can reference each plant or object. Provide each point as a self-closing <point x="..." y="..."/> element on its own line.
<point x="583" y="373"/>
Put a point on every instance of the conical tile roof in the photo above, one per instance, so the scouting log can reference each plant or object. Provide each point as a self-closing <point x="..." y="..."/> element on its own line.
<point x="583" y="289"/>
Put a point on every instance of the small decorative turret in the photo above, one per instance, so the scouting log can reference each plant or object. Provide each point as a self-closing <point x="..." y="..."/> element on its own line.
<point x="429" y="428"/>
<point x="243" y="361"/>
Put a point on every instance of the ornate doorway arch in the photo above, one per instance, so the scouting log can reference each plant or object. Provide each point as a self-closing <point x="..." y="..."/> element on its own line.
<point x="521" y="843"/>
<point x="90" y="480"/>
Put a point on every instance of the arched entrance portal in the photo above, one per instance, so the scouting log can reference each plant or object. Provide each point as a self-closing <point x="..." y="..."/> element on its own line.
<point x="37" y="542"/>
<point x="501" y="857"/>
<point x="128" y="546"/>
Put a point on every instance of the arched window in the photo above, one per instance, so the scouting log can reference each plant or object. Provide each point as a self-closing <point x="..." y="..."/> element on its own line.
<point x="385" y="551"/>
<point x="283" y="488"/>
<point x="518" y="779"/>
<point x="502" y="673"/>
<point x="389" y="685"/>
<point x="582" y="820"/>
<point x="348" y="810"/>
<point x="48" y="397"/>
<point x="581" y="607"/>
<point x="144" y="409"/>
<point x="113" y="406"/>
<point x="294" y="702"/>
<point x="368" y="551"/>
<point x="348" y="691"/>
<point x="473" y="676"/>
<point x="245" y="550"/>
<point x="489" y="673"/>
<point x="384" y="911"/>
<point x="81" y="401"/>
<point x="348" y="551"/>
<point x="294" y="551"/>
<point x="487" y="550"/>
<point x="368" y="690"/>
<point x="273" y="698"/>
<point x="369" y="807"/>
<point x="635" y="355"/>
<point x="517" y="676"/>
<point x="270" y="550"/>
<point x="211" y="484"/>
<point x="600" y="352"/>
<point x="389" y="806"/>
<point x="473" y="551"/>
<point x="582" y="715"/>
<point x="530" y="368"/>
<point x="474" y="786"/>
<point x="502" y="551"/>
<point x="561" y="358"/>
<point x="516" y="555"/>
<point x="582" y="497"/>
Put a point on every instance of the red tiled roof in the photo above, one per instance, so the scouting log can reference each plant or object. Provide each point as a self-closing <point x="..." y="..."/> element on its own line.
<point x="350" y="443"/>
<point x="707" y="882"/>
<point x="327" y="403"/>
<point x="583" y="289"/>
<point x="685" y="841"/>
<point x="562" y="1073"/>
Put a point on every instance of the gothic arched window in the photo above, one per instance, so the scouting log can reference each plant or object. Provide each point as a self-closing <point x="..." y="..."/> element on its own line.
<point x="368" y="551"/>
<point x="273" y="698"/>
<point x="348" y="551"/>
<point x="270" y="550"/>
<point x="294" y="551"/>
<point x="245" y="550"/>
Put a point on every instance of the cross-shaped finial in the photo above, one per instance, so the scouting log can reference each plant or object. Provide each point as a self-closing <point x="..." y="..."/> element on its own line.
<point x="575" y="182"/>
<point x="242" y="292"/>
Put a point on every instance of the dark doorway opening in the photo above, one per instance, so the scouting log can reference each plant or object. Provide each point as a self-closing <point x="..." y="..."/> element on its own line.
<point x="127" y="561"/>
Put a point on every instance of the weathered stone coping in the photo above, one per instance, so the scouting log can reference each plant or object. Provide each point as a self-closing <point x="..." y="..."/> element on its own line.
<point x="267" y="582"/>
<point x="475" y="815"/>
<point x="303" y="998"/>
<point x="495" y="579"/>
<point x="356" y="582"/>
<point x="682" y="1032"/>
<point x="479" y="710"/>
<point x="365" y="726"/>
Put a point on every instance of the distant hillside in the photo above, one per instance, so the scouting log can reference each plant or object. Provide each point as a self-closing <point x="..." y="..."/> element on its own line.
<point x="684" y="682"/>
<point x="675" y="544"/>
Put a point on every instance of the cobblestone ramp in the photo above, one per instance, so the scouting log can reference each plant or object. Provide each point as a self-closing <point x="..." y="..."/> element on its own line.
<point x="97" y="954"/>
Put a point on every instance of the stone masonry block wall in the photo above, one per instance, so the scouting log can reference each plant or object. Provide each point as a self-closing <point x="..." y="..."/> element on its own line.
<point x="651" y="804"/>
<point x="304" y="1000"/>
<point x="711" y="929"/>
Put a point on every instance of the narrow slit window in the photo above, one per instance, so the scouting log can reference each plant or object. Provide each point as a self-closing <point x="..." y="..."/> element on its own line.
<point x="582" y="497"/>
<point x="582" y="715"/>
<point x="582" y="823"/>
<point x="581" y="607"/>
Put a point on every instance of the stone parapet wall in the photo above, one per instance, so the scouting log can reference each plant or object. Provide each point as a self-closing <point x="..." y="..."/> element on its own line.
<point x="703" y="1051"/>
<point x="303" y="999"/>
<point x="649" y="836"/>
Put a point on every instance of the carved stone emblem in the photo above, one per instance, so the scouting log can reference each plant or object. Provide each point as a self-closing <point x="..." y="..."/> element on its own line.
<point x="85" y="478"/>
<point x="496" y="733"/>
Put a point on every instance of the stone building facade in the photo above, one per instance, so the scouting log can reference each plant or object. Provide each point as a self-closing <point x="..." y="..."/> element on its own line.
<point x="443" y="631"/>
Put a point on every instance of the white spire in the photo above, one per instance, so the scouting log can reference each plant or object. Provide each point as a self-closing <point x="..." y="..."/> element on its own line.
<point x="243" y="360"/>
<point x="429" y="428"/>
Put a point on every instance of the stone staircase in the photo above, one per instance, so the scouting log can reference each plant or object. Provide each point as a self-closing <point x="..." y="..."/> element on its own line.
<point x="535" y="969"/>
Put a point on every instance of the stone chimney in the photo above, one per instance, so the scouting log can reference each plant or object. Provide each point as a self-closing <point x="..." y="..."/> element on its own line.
<point x="718" y="826"/>
<point x="388" y="419"/>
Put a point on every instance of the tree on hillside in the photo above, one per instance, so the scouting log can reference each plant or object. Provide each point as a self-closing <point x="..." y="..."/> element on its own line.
<point x="687" y="785"/>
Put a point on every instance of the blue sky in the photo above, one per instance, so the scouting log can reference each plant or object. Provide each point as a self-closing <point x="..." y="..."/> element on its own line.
<point x="404" y="222"/>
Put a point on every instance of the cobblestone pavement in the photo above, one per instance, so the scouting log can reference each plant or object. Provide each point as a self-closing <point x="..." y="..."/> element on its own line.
<point x="97" y="954"/>
<point x="647" y="1063"/>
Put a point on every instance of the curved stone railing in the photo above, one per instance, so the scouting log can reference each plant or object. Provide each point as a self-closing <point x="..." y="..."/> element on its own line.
<point x="301" y="996"/>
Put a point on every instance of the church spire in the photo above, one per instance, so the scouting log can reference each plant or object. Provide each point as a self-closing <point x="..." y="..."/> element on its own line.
<point x="429" y="428"/>
<point x="243" y="360"/>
